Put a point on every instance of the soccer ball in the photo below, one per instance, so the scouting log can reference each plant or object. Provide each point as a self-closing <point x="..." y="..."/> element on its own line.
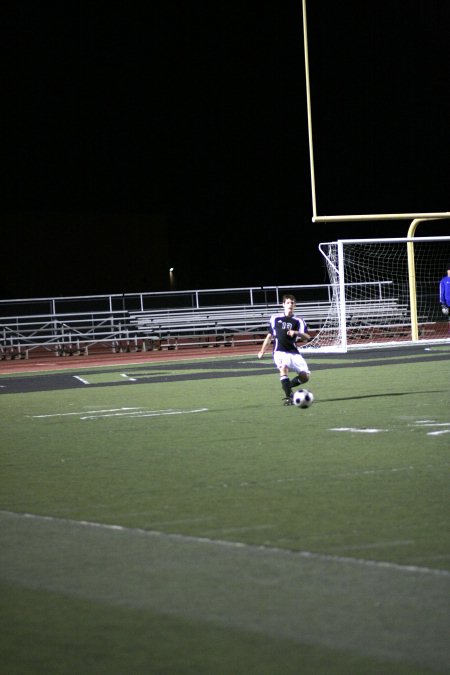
<point x="303" y="398"/>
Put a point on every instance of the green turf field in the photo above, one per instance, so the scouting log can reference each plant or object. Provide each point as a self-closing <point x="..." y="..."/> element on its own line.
<point x="174" y="518"/>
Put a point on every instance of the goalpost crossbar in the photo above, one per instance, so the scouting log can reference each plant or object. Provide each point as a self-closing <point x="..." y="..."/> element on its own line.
<point x="440" y="215"/>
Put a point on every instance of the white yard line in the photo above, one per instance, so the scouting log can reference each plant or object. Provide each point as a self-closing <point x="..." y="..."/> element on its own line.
<point x="355" y="430"/>
<point x="84" y="412"/>
<point x="81" y="379"/>
<point x="395" y="613"/>
<point x="121" y="412"/>
<point x="419" y="424"/>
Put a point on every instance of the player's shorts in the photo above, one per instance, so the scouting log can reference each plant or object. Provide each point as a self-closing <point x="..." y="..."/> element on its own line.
<point x="292" y="361"/>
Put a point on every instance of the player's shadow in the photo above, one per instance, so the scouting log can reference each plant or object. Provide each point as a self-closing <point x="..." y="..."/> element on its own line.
<point x="380" y="395"/>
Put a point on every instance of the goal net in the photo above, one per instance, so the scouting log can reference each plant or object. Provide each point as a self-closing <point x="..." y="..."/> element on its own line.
<point x="384" y="292"/>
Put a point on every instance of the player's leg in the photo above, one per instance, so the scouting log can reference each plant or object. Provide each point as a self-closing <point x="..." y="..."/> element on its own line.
<point x="287" y="389"/>
<point x="282" y="363"/>
<point x="301" y="378"/>
<point x="301" y="368"/>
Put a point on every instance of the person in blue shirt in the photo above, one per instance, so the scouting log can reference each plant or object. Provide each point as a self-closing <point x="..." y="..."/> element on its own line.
<point x="285" y="330"/>
<point x="444" y="292"/>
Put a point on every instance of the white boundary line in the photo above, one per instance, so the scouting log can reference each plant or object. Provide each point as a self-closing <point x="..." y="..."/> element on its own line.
<point x="84" y="412"/>
<point x="236" y="544"/>
<point x="122" y="412"/>
<point x="81" y="379"/>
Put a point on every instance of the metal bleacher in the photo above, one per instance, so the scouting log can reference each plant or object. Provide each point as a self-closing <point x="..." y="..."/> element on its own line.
<point x="172" y="320"/>
<point x="145" y="321"/>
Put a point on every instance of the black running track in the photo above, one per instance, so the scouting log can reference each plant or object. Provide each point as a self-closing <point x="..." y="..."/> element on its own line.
<point x="240" y="366"/>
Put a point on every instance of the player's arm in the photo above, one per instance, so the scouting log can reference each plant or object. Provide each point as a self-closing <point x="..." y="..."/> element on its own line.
<point x="265" y="344"/>
<point x="304" y="337"/>
<point x="302" y="334"/>
<point x="299" y="335"/>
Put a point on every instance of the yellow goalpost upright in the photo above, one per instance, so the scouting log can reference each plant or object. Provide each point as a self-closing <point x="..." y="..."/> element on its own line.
<point x="356" y="290"/>
<point x="316" y="217"/>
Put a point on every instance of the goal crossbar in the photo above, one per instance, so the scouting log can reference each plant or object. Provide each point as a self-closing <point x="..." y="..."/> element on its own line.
<point x="440" y="215"/>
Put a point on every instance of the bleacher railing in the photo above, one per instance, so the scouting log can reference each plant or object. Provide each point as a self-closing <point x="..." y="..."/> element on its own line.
<point x="77" y="324"/>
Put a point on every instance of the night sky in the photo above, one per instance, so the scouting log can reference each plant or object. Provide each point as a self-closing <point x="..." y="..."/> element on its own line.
<point x="142" y="136"/>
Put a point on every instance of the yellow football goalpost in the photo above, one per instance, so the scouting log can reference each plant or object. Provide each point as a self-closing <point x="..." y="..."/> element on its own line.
<point x="339" y="218"/>
<point x="410" y="239"/>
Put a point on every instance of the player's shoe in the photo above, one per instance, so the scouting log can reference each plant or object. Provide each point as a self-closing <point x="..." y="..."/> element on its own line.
<point x="287" y="400"/>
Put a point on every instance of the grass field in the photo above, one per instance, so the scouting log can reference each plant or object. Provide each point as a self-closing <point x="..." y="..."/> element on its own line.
<point x="174" y="518"/>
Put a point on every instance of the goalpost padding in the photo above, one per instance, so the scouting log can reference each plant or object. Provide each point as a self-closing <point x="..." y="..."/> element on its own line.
<point x="384" y="292"/>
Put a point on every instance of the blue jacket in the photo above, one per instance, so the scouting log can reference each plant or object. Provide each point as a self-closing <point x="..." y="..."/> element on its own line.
<point x="444" y="291"/>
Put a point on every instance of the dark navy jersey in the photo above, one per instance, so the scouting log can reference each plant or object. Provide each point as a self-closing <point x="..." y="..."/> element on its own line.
<point x="279" y="326"/>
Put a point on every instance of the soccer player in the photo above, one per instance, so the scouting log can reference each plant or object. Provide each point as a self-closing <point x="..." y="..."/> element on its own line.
<point x="286" y="329"/>
<point x="444" y="292"/>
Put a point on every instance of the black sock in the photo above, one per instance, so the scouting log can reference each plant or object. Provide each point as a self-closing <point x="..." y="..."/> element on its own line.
<point x="286" y="386"/>
<point x="295" y="381"/>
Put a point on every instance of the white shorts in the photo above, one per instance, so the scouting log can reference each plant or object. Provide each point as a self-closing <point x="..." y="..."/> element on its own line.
<point x="292" y="361"/>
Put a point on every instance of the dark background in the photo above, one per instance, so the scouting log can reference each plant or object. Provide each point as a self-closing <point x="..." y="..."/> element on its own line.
<point x="138" y="137"/>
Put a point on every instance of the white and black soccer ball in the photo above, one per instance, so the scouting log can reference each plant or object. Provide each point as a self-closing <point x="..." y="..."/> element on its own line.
<point x="303" y="398"/>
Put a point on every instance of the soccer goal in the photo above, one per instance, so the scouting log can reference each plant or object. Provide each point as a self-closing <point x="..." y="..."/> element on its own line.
<point x="385" y="292"/>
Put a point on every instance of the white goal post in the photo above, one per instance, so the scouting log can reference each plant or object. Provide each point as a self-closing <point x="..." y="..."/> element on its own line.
<point x="385" y="292"/>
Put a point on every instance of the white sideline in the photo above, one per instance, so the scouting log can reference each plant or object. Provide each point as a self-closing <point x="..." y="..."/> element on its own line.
<point x="236" y="544"/>
<point x="393" y="613"/>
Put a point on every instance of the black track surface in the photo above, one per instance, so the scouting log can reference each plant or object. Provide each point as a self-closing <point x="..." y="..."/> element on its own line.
<point x="240" y="366"/>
